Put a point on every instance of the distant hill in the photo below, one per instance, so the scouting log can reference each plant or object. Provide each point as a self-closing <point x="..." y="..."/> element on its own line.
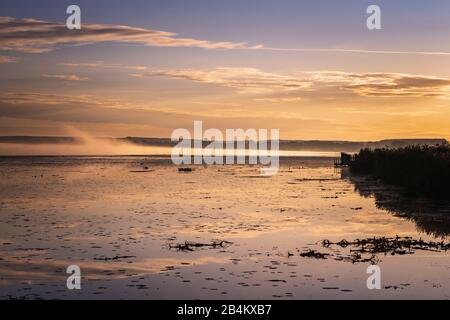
<point x="354" y="146"/>
<point x="314" y="145"/>
<point x="39" y="140"/>
<point x="300" y="145"/>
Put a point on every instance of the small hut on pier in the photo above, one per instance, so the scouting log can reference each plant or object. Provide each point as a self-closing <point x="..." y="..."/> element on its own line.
<point x="344" y="161"/>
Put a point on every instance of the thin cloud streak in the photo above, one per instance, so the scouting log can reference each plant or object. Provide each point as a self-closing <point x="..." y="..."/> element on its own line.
<point x="101" y="64"/>
<point x="66" y="77"/>
<point x="38" y="36"/>
<point x="363" y="51"/>
<point x="8" y="59"/>
<point x="244" y="80"/>
<point x="255" y="81"/>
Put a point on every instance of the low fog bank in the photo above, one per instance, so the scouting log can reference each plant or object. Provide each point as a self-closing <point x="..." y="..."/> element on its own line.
<point x="78" y="143"/>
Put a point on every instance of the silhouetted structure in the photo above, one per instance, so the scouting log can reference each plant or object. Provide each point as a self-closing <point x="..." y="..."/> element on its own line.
<point x="344" y="161"/>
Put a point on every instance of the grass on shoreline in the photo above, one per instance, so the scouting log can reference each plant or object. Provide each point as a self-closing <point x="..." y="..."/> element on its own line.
<point x="418" y="169"/>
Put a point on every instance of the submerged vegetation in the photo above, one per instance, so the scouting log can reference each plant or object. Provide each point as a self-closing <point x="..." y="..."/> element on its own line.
<point x="369" y="250"/>
<point x="313" y="254"/>
<point x="393" y="246"/>
<point x="418" y="169"/>
<point x="192" y="246"/>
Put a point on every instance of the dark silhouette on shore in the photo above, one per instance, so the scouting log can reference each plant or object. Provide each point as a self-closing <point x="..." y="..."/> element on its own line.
<point x="419" y="170"/>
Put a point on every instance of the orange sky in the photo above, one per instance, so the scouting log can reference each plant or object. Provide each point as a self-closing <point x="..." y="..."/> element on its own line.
<point x="147" y="76"/>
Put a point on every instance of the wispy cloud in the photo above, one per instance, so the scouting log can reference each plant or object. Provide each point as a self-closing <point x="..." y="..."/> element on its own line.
<point x="98" y="111"/>
<point x="400" y="85"/>
<point x="358" y="51"/>
<point x="395" y="113"/>
<point x="101" y="64"/>
<point x="255" y="81"/>
<point x="279" y="99"/>
<point x="37" y="36"/>
<point x="8" y="59"/>
<point x="243" y="80"/>
<point x="54" y="99"/>
<point x="65" y="77"/>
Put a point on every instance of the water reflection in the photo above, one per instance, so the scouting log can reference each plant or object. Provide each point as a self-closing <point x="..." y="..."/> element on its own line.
<point x="431" y="216"/>
<point x="158" y="233"/>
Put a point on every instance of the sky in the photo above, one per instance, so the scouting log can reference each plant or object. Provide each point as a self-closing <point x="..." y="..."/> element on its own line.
<point x="145" y="68"/>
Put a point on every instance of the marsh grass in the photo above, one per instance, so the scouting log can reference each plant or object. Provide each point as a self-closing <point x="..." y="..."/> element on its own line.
<point x="418" y="169"/>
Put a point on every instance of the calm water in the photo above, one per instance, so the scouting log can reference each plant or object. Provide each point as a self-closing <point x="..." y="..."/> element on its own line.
<point x="121" y="223"/>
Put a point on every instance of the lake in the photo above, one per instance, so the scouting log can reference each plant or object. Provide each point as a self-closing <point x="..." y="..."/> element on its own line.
<point x="140" y="229"/>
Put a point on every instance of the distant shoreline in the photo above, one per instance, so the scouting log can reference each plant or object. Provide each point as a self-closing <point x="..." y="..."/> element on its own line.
<point x="286" y="145"/>
<point x="328" y="157"/>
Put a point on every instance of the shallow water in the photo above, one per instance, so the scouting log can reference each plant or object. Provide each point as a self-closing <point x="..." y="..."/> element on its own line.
<point x="121" y="222"/>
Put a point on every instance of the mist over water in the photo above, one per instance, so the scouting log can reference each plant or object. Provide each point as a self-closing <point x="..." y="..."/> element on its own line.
<point x="86" y="145"/>
<point x="89" y="145"/>
<point x="89" y="149"/>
